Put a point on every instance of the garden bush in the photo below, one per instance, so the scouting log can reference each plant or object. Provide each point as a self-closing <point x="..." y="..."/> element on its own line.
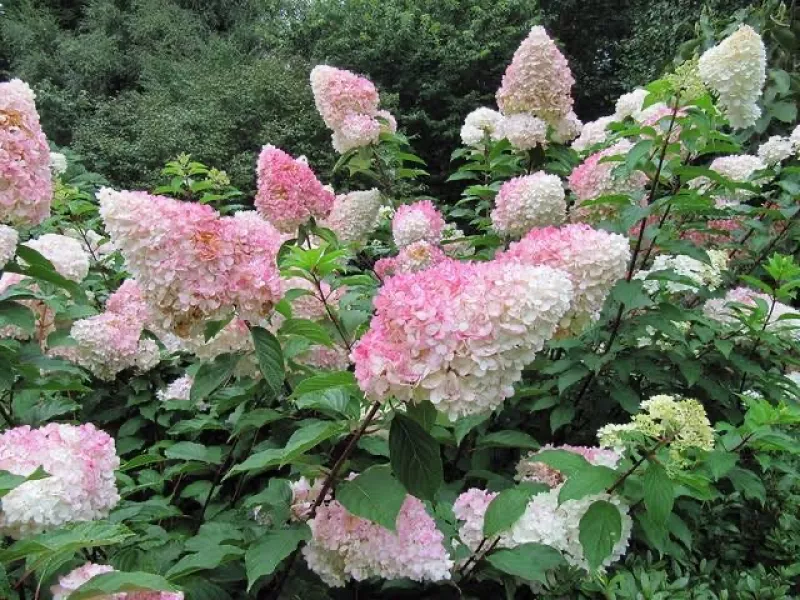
<point x="580" y="380"/>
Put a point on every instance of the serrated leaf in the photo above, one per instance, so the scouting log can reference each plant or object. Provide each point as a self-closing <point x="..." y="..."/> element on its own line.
<point x="415" y="457"/>
<point x="587" y="481"/>
<point x="568" y="463"/>
<point x="599" y="530"/>
<point x="265" y="555"/>
<point x="14" y="313"/>
<point x="374" y="495"/>
<point x="528" y="561"/>
<point x="212" y="556"/>
<point x="212" y="328"/>
<point x="659" y="493"/>
<point x="270" y="358"/>
<point x="9" y="481"/>
<point x="423" y="413"/>
<point x="504" y="510"/>
<point x="211" y="376"/>
<point x="194" y="451"/>
<point x="325" y="381"/>
<point x="309" y="330"/>
<point x="508" y="439"/>
<point x="307" y="437"/>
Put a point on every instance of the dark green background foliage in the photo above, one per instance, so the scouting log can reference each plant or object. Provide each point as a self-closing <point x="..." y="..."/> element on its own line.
<point x="131" y="83"/>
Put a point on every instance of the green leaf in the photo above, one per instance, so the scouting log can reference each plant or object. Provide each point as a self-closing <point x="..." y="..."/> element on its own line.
<point x="259" y="461"/>
<point x="9" y="481"/>
<point x="255" y="419"/>
<point x="309" y="330"/>
<point x="568" y="463"/>
<point x="506" y="508"/>
<point x="14" y="313"/>
<point x="194" y="451"/>
<point x="209" y="558"/>
<point x="212" y="375"/>
<point x="720" y="463"/>
<point x="270" y="358"/>
<point x="415" y="457"/>
<point x="571" y="377"/>
<point x="528" y="561"/>
<point x="273" y="546"/>
<point x="784" y="111"/>
<point x="66" y="539"/>
<point x="748" y="483"/>
<point x="214" y="327"/>
<point x="423" y="413"/>
<point x="585" y="482"/>
<point x="325" y="381"/>
<point x="659" y="495"/>
<point x="508" y="439"/>
<point x="107" y="584"/>
<point x="374" y="495"/>
<point x="599" y="530"/>
<point x="466" y="424"/>
<point x="307" y="437"/>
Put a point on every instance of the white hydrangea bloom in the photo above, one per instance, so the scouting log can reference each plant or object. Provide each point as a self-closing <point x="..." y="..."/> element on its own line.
<point x="738" y="168"/>
<point x="702" y="274"/>
<point x="58" y="163"/>
<point x="795" y="138"/>
<point x="775" y="150"/>
<point x="480" y="122"/>
<point x="8" y="244"/>
<point x="529" y="201"/>
<point x="68" y="257"/>
<point x="736" y="70"/>
<point x="593" y="132"/>
<point x="524" y="131"/>
<point x="630" y="104"/>
<point x="354" y="215"/>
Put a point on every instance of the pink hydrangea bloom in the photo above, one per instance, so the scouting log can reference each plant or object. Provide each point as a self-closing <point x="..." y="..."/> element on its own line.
<point x="782" y="318"/>
<point x="593" y="259"/>
<point x="459" y="334"/>
<point x="538" y="80"/>
<point x="530" y="470"/>
<point x="191" y="264"/>
<point x="289" y="193"/>
<point x="418" y="221"/>
<point x="339" y="93"/>
<point x="356" y="131"/>
<point x="80" y="460"/>
<point x="8" y="244"/>
<point x="345" y="547"/>
<point x="470" y="507"/>
<point x="529" y="201"/>
<point x="77" y="577"/>
<point x="26" y="187"/>
<point x="593" y="178"/>
<point x="412" y="258"/>
<point x="304" y="494"/>
<point x="354" y="215"/>
<point x="180" y="390"/>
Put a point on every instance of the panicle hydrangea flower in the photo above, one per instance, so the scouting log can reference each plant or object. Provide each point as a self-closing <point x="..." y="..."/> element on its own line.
<point x="593" y="178"/>
<point x="412" y="258"/>
<point x="479" y="123"/>
<point x="77" y="577"/>
<point x="593" y="259"/>
<point x="81" y="486"/>
<point x="180" y="389"/>
<point x="58" y="163"/>
<point x="356" y="131"/>
<point x="630" y="104"/>
<point x="659" y="116"/>
<point x="593" y="133"/>
<point x="725" y="311"/>
<point x="354" y="215"/>
<point x="289" y="193"/>
<point x="775" y="150"/>
<point x="459" y="334"/>
<point x="26" y="187"/>
<point x="529" y="201"/>
<point x="524" y="131"/>
<point x="470" y="507"/>
<point x="701" y="274"/>
<point x="191" y="264"/>
<point x="339" y="93"/>
<point x="415" y="222"/>
<point x="67" y="255"/>
<point x="794" y="137"/>
<point x="345" y="547"/>
<point x="390" y="126"/>
<point x="736" y="70"/>
<point x="529" y="469"/>
<point x="538" y="80"/>
<point x="8" y="244"/>
<point x="737" y="168"/>
<point x="567" y="128"/>
<point x="680" y="422"/>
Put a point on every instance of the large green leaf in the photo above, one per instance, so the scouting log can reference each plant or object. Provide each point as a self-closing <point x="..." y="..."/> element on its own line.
<point x="562" y="460"/>
<point x="506" y="508"/>
<point x="374" y="495"/>
<point x="313" y="332"/>
<point x="212" y="375"/>
<point x="415" y="457"/>
<point x="9" y="481"/>
<point x="587" y="481"/>
<point x="599" y="530"/>
<point x="264" y="557"/>
<point x="210" y="557"/>
<point x="528" y="561"/>
<point x="270" y="358"/>
<point x="105" y="584"/>
<point x="508" y="439"/>
<point x="14" y="313"/>
<point x="307" y="437"/>
<point x="659" y="494"/>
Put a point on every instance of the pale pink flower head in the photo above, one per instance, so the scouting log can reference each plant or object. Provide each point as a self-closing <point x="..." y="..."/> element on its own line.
<point x="415" y="222"/>
<point x="529" y="201"/>
<point x="354" y="215"/>
<point x="339" y="93"/>
<point x="412" y="258"/>
<point x="470" y="508"/>
<point x="459" y="334"/>
<point x="8" y="244"/>
<point x="73" y="580"/>
<point x="782" y="319"/>
<point x="344" y="547"/>
<point x="80" y="460"/>
<point x="26" y="187"/>
<point x="524" y="131"/>
<point x="356" y="131"/>
<point x="390" y="125"/>
<point x="594" y="260"/>
<point x="567" y="128"/>
<point x="289" y="193"/>
<point x="538" y="80"/>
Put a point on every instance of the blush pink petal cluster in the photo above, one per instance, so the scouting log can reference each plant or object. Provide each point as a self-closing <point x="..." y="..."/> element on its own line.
<point x="412" y="258"/>
<point x="538" y="80"/>
<point x="781" y="318"/>
<point x="81" y="486"/>
<point x="289" y="193"/>
<point x="8" y="244"/>
<point x="593" y="259"/>
<point x="191" y="264"/>
<point x="77" y="577"/>
<point x="459" y="334"/>
<point x="354" y="215"/>
<point x="528" y="469"/>
<point x="529" y="201"/>
<point x="345" y="547"/>
<point x="26" y="187"/>
<point x="415" y="222"/>
<point x="348" y="103"/>
<point x="111" y="342"/>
